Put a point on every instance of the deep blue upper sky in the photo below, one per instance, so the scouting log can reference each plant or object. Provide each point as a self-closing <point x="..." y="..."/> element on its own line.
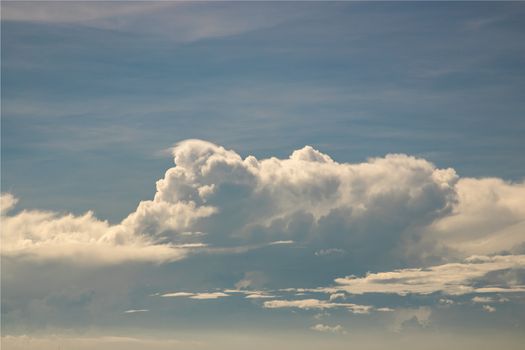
<point x="89" y="104"/>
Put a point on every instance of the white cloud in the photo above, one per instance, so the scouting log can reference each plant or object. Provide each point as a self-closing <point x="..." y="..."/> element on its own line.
<point x="204" y="296"/>
<point x="337" y="296"/>
<point x="306" y="198"/>
<point x="328" y="329"/>
<point x="197" y="296"/>
<point x="489" y="308"/>
<point x="134" y="311"/>
<point x="7" y="202"/>
<point x="176" y="294"/>
<point x="39" y="235"/>
<point x="480" y="299"/>
<point x="315" y="304"/>
<point x="453" y="278"/>
<point x="259" y="295"/>
<point x="398" y="207"/>
<point x="488" y="217"/>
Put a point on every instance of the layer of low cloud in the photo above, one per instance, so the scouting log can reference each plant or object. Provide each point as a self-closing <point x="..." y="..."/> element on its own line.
<point x="452" y="279"/>
<point x="38" y="235"/>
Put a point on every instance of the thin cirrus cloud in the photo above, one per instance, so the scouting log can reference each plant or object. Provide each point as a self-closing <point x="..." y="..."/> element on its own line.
<point x="178" y="21"/>
<point x="399" y="206"/>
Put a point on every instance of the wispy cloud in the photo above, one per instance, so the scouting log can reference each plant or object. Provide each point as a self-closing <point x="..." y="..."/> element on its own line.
<point x="197" y="296"/>
<point x="180" y="21"/>
<point x="134" y="311"/>
<point x="316" y="304"/>
<point x="453" y="278"/>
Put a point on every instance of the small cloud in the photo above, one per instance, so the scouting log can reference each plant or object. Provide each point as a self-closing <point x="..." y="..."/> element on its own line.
<point x="251" y="279"/>
<point x="191" y="245"/>
<point x="134" y="311"/>
<point x="204" y="296"/>
<point x="337" y="329"/>
<point x="281" y="242"/>
<point x="489" y="308"/>
<point x="482" y="300"/>
<point x="336" y="296"/>
<point x="177" y="294"/>
<point x="315" y="304"/>
<point x="330" y="251"/>
<point x="321" y="315"/>
<point x="198" y="296"/>
<point x="411" y="318"/>
<point x="259" y="296"/>
<point x="385" y="309"/>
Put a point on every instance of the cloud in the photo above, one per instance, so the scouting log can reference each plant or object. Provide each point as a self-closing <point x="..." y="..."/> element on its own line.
<point x="7" y="202"/>
<point x="380" y="214"/>
<point x="479" y="299"/>
<point x="315" y="304"/>
<point x="307" y="198"/>
<point x="453" y="278"/>
<point x="330" y="251"/>
<point x="337" y="296"/>
<point x="39" y="235"/>
<point x="487" y="218"/>
<point x="259" y="295"/>
<point x="411" y="318"/>
<point x="204" y="296"/>
<point x="134" y="311"/>
<point x="177" y="294"/>
<point x="181" y="22"/>
<point x="197" y="296"/>
<point x="328" y="329"/>
<point x="489" y="308"/>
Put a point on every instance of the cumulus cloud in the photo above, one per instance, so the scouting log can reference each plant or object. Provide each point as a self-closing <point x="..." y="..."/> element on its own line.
<point x="394" y="209"/>
<point x="328" y="329"/>
<point x="7" y="202"/>
<point x="307" y="198"/>
<point x="40" y="235"/>
<point x="337" y="296"/>
<point x="487" y="218"/>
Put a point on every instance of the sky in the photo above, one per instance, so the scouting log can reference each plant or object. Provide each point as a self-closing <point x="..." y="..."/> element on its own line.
<point x="213" y="175"/>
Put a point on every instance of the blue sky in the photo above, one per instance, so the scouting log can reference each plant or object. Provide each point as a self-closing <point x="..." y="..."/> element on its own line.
<point x="91" y="101"/>
<point x="98" y="97"/>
